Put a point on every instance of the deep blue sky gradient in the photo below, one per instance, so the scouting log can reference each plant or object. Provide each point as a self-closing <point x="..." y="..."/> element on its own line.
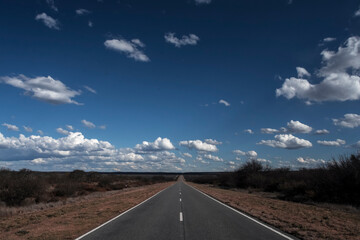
<point x="244" y="46"/>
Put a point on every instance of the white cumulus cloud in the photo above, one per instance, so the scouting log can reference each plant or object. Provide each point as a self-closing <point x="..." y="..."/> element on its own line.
<point x="287" y="141"/>
<point x="10" y="127"/>
<point x="322" y="132"/>
<point x="302" y="72"/>
<point x="199" y="145"/>
<point x="297" y="127"/>
<point x="340" y="77"/>
<point x="192" y="39"/>
<point x="310" y="161"/>
<point x="213" y="158"/>
<point x="269" y="130"/>
<point x="74" y="151"/>
<point x="350" y="120"/>
<point x="130" y="48"/>
<point x="160" y="144"/>
<point x="336" y="143"/>
<point x="48" y="21"/>
<point x="45" y="89"/>
<point x="291" y="127"/>
<point x="250" y="154"/>
<point x="213" y="142"/>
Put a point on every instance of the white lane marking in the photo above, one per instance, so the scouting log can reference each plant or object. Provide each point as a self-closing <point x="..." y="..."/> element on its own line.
<point x="180" y="193"/>
<point x="121" y="214"/>
<point x="243" y="214"/>
<point x="180" y="199"/>
<point x="181" y="217"/>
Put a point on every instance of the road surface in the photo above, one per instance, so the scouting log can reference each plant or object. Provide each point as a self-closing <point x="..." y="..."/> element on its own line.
<point x="181" y="212"/>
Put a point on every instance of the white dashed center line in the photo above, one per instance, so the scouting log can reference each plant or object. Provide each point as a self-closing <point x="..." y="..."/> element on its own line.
<point x="181" y="217"/>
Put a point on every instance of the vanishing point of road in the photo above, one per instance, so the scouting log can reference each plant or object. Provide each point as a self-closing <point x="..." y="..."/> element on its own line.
<point x="181" y="212"/>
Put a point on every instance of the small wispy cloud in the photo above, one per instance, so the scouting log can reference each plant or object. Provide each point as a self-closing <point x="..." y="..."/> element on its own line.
<point x="322" y="132"/>
<point x="27" y="129"/>
<point x="202" y="1"/>
<point x="226" y="103"/>
<point x="51" y="4"/>
<point x="357" y="13"/>
<point x="329" y="39"/>
<point x="69" y="127"/>
<point x="82" y="11"/>
<point x="249" y="131"/>
<point x="10" y="127"/>
<point x="88" y="124"/>
<point x="129" y="48"/>
<point x="48" y="21"/>
<point x="191" y="39"/>
<point x="90" y="89"/>
<point x="62" y="131"/>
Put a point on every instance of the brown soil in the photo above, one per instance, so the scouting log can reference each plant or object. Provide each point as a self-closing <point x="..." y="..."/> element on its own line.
<point x="76" y="217"/>
<point x="301" y="220"/>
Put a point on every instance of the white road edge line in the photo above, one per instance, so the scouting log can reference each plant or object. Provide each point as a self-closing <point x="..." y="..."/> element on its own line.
<point x="181" y="217"/>
<point x="121" y="214"/>
<point x="243" y="214"/>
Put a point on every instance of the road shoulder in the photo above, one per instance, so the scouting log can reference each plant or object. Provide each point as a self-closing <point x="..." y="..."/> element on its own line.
<point x="76" y="218"/>
<point x="301" y="220"/>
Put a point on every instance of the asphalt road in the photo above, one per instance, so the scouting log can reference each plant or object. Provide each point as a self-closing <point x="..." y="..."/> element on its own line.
<point x="181" y="212"/>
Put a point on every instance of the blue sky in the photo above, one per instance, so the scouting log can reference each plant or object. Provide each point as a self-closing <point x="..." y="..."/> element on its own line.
<point x="182" y="85"/>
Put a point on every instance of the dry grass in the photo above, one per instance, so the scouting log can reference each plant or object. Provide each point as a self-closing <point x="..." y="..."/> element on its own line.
<point x="301" y="220"/>
<point x="76" y="216"/>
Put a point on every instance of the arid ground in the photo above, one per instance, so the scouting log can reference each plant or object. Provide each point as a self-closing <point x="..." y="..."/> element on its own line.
<point x="301" y="220"/>
<point x="74" y="217"/>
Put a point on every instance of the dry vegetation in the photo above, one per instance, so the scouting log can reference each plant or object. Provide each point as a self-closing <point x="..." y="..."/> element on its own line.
<point x="336" y="182"/>
<point x="73" y="217"/>
<point x="321" y="203"/>
<point x="25" y="187"/>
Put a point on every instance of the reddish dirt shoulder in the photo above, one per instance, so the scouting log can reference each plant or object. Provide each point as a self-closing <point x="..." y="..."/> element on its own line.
<point x="76" y="218"/>
<point x="301" y="220"/>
